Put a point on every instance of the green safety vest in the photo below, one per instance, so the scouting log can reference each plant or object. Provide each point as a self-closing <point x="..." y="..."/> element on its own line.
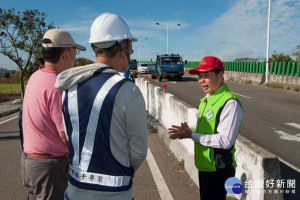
<point x="208" y="159"/>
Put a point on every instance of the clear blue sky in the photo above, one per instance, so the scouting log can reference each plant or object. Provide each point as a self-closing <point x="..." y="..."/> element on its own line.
<point x="224" y="28"/>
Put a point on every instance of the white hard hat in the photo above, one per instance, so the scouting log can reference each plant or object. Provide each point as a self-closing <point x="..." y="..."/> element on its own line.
<point x="107" y="29"/>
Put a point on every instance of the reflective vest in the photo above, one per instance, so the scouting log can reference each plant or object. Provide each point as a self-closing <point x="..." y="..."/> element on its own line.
<point x="87" y="110"/>
<point x="208" y="159"/>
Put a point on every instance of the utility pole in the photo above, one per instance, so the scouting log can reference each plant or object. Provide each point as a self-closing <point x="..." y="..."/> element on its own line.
<point x="140" y="49"/>
<point x="167" y="27"/>
<point x="268" y="45"/>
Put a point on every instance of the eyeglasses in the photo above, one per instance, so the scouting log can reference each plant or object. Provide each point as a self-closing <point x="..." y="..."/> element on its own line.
<point x="129" y="50"/>
<point x="76" y="51"/>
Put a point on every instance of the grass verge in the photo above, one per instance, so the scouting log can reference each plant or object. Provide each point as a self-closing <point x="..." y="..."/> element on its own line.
<point x="8" y="88"/>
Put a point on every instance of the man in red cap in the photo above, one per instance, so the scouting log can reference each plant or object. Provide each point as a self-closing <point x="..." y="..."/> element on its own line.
<point x="219" y="119"/>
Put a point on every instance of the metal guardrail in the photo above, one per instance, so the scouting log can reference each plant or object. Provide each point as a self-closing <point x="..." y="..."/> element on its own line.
<point x="276" y="68"/>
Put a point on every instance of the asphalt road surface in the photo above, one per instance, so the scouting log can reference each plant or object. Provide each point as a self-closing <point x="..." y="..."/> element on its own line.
<point x="160" y="176"/>
<point x="271" y="117"/>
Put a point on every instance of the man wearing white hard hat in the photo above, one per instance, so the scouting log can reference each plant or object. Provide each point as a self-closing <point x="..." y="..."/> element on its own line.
<point x="45" y="157"/>
<point x="105" y="117"/>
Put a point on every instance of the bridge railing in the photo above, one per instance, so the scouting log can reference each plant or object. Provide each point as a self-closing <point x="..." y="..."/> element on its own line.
<point x="276" y="68"/>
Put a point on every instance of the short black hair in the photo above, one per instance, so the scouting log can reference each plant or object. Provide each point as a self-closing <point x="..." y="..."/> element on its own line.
<point x="52" y="54"/>
<point x="110" y="52"/>
<point x="217" y="71"/>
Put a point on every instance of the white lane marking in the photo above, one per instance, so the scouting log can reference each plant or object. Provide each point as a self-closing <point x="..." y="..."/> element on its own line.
<point x="294" y="125"/>
<point x="241" y="95"/>
<point x="286" y="136"/>
<point x="161" y="185"/>
<point x="8" y="120"/>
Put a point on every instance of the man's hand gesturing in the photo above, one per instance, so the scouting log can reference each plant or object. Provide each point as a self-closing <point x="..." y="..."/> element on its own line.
<point x="180" y="132"/>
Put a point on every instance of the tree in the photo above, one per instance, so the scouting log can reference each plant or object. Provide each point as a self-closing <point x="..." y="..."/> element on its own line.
<point x="6" y="75"/>
<point x="82" y="61"/>
<point x="280" y="58"/>
<point x="246" y="59"/>
<point x="20" y="37"/>
<point x="297" y="54"/>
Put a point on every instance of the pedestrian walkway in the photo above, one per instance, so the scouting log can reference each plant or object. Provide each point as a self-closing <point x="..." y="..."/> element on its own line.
<point x="10" y="107"/>
<point x="160" y="177"/>
<point x="147" y="184"/>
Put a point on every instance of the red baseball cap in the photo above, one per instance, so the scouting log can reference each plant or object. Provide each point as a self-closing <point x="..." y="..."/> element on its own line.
<point x="208" y="63"/>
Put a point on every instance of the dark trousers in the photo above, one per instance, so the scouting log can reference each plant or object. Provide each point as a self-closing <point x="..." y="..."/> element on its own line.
<point x="45" y="178"/>
<point x="212" y="184"/>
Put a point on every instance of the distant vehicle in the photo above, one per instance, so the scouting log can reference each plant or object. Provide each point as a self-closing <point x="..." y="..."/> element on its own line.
<point x="151" y="67"/>
<point x="132" y="64"/>
<point x="129" y="74"/>
<point x="168" y="66"/>
<point x="144" y="68"/>
<point x="153" y="71"/>
<point x="132" y="69"/>
<point x="133" y="75"/>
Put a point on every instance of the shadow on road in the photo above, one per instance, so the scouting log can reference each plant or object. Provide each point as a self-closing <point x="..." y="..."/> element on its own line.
<point x="189" y="79"/>
<point x="287" y="173"/>
<point x="184" y="79"/>
<point x="6" y="138"/>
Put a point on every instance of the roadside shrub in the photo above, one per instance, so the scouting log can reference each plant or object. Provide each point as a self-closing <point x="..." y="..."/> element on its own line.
<point x="296" y="88"/>
<point x="275" y="85"/>
<point x="9" y="96"/>
<point x="181" y="164"/>
<point x="287" y="87"/>
<point x="6" y="75"/>
<point x="10" y="80"/>
<point x="230" y="79"/>
<point x="248" y="82"/>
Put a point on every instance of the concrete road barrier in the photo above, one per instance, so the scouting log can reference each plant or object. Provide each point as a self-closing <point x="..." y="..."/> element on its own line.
<point x="255" y="164"/>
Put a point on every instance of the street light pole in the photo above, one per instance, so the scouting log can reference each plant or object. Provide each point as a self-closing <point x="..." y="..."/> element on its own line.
<point x="140" y="49"/>
<point x="167" y="27"/>
<point x="167" y="39"/>
<point x="268" y="44"/>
